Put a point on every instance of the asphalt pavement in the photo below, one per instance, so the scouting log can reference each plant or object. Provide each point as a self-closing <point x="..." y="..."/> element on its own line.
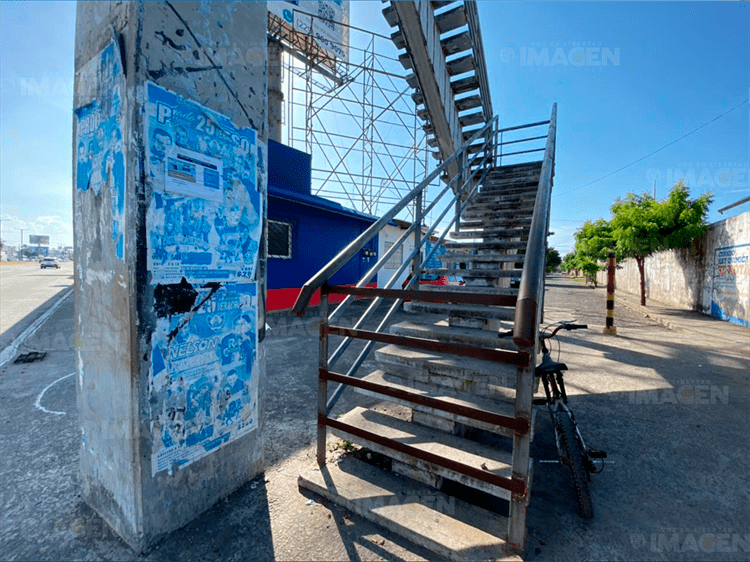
<point x="26" y="292"/>
<point x="669" y="407"/>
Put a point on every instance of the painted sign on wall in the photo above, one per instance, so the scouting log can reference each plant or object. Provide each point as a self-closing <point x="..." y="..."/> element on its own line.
<point x="204" y="231"/>
<point x="731" y="283"/>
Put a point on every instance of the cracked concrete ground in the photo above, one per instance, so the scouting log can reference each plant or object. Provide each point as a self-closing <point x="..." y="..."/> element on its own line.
<point x="669" y="406"/>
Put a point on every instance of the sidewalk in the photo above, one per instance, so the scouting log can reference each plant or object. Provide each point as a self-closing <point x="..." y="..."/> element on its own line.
<point x="685" y="321"/>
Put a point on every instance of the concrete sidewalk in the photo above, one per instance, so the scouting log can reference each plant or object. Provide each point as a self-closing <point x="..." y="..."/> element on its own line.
<point x="679" y="470"/>
<point x="685" y="321"/>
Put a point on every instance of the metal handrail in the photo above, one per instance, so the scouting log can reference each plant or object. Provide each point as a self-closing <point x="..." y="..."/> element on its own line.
<point x="343" y="257"/>
<point x="530" y="291"/>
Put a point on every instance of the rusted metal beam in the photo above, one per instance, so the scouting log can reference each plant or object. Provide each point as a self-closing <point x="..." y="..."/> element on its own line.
<point x="519" y="425"/>
<point x="518" y="358"/>
<point x="425" y="296"/>
<point x="514" y="485"/>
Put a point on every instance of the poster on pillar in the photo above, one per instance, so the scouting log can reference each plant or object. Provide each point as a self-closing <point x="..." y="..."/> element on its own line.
<point x="206" y="207"/>
<point x="204" y="375"/>
<point x="100" y="160"/>
<point x="203" y="234"/>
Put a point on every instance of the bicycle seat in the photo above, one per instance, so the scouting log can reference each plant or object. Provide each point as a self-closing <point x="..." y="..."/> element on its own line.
<point x="547" y="366"/>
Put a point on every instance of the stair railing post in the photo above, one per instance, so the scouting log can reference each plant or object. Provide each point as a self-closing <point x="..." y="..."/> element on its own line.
<point x="460" y="187"/>
<point x="416" y="264"/>
<point x="322" y="382"/>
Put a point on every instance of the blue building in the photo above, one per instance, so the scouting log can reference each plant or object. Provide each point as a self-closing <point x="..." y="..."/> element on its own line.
<point x="306" y="231"/>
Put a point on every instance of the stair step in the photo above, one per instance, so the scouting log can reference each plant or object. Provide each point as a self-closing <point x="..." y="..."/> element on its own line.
<point x="488" y="245"/>
<point x="494" y="224"/>
<point x="447" y="526"/>
<point x="499" y="206"/>
<point x="505" y="407"/>
<point x="514" y="168"/>
<point x="470" y="453"/>
<point x="480" y="214"/>
<point x="479" y="377"/>
<point x="475" y="258"/>
<point x="479" y="273"/>
<point x="451" y="334"/>
<point x="492" y="233"/>
<point x="470" y="289"/>
<point x="503" y="197"/>
<point x="463" y="310"/>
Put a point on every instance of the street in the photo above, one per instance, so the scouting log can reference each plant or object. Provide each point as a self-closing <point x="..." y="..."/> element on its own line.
<point x="25" y="292"/>
<point x="670" y="409"/>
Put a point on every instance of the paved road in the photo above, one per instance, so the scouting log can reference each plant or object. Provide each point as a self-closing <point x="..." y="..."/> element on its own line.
<point x="25" y="292"/>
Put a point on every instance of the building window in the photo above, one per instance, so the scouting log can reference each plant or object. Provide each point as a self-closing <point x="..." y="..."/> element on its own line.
<point x="279" y="243"/>
<point x="394" y="262"/>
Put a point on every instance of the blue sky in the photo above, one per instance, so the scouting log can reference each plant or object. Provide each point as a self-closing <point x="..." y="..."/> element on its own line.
<point x="674" y="66"/>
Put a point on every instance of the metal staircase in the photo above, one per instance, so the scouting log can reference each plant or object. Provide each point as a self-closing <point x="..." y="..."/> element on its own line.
<point x="465" y="379"/>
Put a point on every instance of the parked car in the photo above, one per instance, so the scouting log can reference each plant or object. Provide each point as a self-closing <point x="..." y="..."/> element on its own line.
<point x="49" y="262"/>
<point x="441" y="280"/>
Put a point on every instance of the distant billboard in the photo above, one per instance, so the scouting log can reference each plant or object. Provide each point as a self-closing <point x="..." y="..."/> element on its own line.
<point x="313" y="27"/>
<point x="38" y="239"/>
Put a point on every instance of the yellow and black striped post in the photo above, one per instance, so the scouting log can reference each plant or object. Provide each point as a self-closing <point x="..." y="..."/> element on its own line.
<point x="610" y="328"/>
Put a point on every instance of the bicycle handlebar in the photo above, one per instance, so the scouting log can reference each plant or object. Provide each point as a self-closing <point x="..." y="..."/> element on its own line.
<point x="564" y="325"/>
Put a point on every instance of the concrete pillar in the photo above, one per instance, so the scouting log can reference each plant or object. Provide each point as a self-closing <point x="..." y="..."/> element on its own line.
<point x="169" y="198"/>
<point x="275" y="91"/>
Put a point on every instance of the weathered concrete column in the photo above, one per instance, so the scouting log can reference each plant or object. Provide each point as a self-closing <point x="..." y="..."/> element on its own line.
<point x="169" y="202"/>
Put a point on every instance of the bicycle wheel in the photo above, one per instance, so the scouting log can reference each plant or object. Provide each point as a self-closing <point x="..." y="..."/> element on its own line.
<point x="564" y="425"/>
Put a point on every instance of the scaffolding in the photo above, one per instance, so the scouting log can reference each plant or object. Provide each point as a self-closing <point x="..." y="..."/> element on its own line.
<point x="357" y="119"/>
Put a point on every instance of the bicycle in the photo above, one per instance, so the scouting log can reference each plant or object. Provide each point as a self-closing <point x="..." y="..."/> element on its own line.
<point x="573" y="451"/>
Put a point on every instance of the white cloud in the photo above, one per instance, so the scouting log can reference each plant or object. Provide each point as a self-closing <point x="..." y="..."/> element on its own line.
<point x="58" y="229"/>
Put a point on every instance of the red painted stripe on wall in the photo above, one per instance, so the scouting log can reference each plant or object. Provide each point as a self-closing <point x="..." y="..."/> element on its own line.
<point x="281" y="299"/>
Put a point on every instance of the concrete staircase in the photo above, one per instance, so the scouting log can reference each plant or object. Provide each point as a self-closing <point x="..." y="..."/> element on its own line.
<point x="470" y="362"/>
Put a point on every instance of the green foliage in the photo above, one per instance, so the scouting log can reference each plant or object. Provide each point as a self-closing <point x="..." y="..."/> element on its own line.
<point x="594" y="240"/>
<point x="553" y="259"/>
<point x="641" y="225"/>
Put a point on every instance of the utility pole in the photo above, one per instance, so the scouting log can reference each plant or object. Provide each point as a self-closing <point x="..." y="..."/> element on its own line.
<point x="654" y="189"/>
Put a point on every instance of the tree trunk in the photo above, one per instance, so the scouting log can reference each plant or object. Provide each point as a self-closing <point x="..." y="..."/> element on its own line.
<point x="641" y="262"/>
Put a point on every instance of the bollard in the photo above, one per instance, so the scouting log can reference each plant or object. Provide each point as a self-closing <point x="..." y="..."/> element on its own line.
<point x="610" y="328"/>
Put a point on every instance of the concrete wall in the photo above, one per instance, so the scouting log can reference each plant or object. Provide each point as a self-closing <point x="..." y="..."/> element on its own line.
<point x="712" y="276"/>
<point x="391" y="234"/>
<point x="211" y="55"/>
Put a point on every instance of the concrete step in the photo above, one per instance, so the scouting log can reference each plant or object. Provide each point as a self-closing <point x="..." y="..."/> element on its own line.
<point x="500" y="171"/>
<point x="469" y="289"/>
<point x="450" y="334"/>
<point x="483" y="273"/>
<point x="478" y="377"/>
<point x="502" y="197"/>
<point x="489" y="245"/>
<point x="494" y="224"/>
<point x="439" y="443"/>
<point x="497" y="207"/>
<point x="491" y="257"/>
<point x="463" y="310"/>
<point x="500" y="187"/>
<point x="445" y="525"/>
<point x="480" y="214"/>
<point x="504" y="407"/>
<point x="500" y="233"/>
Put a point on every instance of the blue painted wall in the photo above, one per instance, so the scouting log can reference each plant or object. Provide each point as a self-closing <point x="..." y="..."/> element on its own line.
<point x="317" y="236"/>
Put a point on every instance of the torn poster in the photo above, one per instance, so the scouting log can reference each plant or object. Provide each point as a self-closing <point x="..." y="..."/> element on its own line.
<point x="100" y="161"/>
<point x="204" y="219"/>
<point x="204" y="377"/>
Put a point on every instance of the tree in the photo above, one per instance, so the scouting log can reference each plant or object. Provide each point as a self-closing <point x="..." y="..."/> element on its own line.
<point x="553" y="259"/>
<point x="570" y="262"/>
<point x="642" y="226"/>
